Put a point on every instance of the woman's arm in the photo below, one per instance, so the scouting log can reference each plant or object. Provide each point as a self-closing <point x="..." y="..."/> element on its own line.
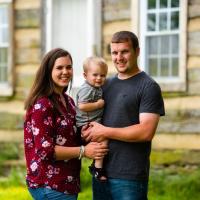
<point x="92" y="150"/>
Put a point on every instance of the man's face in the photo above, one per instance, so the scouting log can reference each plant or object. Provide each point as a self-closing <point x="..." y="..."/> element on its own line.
<point x="124" y="57"/>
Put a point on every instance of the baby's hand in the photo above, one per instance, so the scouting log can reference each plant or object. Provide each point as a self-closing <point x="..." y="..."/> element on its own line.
<point x="100" y="103"/>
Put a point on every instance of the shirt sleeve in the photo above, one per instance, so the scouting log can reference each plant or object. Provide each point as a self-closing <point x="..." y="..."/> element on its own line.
<point x="152" y="101"/>
<point x="85" y="95"/>
<point x="42" y="128"/>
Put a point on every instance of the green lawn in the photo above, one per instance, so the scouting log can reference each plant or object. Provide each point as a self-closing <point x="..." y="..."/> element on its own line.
<point x="174" y="176"/>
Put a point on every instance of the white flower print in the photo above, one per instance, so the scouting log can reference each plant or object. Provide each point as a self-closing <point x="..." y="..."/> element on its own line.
<point x="37" y="106"/>
<point x="58" y="120"/>
<point x="29" y="142"/>
<point x="75" y="129"/>
<point x="69" y="179"/>
<point x="34" y="166"/>
<point x="54" y="186"/>
<point x="48" y="121"/>
<point x="28" y="127"/>
<point x="60" y="140"/>
<point x="63" y="123"/>
<point x="52" y="171"/>
<point x="45" y="144"/>
<point x="43" y="155"/>
<point x="35" y="130"/>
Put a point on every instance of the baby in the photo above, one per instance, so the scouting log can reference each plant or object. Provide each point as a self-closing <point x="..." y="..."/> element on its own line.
<point x="90" y="103"/>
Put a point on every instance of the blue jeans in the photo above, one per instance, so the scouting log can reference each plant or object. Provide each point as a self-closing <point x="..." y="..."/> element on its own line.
<point x="120" y="189"/>
<point x="48" y="194"/>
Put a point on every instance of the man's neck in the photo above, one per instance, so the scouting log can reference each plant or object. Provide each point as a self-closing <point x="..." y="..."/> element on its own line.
<point x="125" y="75"/>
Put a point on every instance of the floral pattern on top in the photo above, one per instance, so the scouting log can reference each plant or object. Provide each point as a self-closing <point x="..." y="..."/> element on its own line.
<point x="45" y="127"/>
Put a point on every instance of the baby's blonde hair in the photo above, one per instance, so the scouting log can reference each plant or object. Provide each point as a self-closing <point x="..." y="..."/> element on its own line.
<point x="94" y="60"/>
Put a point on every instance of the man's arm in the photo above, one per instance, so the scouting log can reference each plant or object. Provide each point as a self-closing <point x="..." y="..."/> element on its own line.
<point x="144" y="131"/>
<point x="91" y="106"/>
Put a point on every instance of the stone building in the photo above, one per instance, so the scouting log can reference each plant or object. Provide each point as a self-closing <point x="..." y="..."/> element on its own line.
<point x="169" y="34"/>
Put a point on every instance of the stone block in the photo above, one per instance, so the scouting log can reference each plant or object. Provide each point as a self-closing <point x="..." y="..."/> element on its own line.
<point x="27" y="38"/>
<point x="193" y="2"/>
<point x="27" y="56"/>
<point x="27" y="4"/>
<point x="116" y="10"/>
<point x="193" y="88"/>
<point x="112" y="27"/>
<point x="194" y="24"/>
<point x="24" y="80"/>
<point x="194" y="75"/>
<point x="11" y="121"/>
<point x="193" y="62"/>
<point x="193" y="10"/>
<point x="194" y="43"/>
<point x="108" y="30"/>
<point x="29" y="18"/>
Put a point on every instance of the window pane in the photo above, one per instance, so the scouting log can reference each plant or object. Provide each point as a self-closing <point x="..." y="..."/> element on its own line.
<point x="174" y="3"/>
<point x="163" y="3"/>
<point x="5" y="35"/>
<point x="153" y="69"/>
<point x="3" y="15"/>
<point x="164" y="67"/>
<point x="152" y="45"/>
<point x="174" y="66"/>
<point x="151" y="22"/>
<point x="163" y="21"/>
<point x="174" y="20"/>
<point x="3" y="64"/>
<point x="151" y="4"/>
<point x="175" y="44"/>
<point x="3" y="55"/>
<point x="3" y="74"/>
<point x="164" y="45"/>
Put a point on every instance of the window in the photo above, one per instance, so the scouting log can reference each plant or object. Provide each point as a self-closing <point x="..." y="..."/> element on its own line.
<point x="5" y="48"/>
<point x="163" y="51"/>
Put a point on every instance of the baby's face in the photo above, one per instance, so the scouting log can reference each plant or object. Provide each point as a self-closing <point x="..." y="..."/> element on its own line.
<point x="96" y="75"/>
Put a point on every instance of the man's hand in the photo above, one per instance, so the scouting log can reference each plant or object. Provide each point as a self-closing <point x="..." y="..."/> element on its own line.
<point x="93" y="132"/>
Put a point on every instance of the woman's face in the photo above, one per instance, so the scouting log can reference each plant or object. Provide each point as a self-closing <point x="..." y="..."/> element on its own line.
<point x="62" y="73"/>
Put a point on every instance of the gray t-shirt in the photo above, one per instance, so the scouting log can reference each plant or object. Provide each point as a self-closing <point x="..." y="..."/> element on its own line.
<point x="124" y="101"/>
<point x="87" y="94"/>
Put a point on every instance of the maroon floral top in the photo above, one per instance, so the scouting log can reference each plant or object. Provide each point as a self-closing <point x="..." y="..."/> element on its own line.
<point x="44" y="127"/>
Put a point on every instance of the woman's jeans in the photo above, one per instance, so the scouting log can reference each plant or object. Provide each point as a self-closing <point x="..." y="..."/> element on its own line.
<point x="119" y="189"/>
<point x="48" y="194"/>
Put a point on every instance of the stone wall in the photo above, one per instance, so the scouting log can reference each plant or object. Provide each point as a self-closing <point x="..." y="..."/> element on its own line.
<point x="194" y="47"/>
<point x="116" y="17"/>
<point x="27" y="39"/>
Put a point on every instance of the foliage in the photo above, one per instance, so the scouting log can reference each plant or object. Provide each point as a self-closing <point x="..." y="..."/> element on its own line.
<point x="169" y="179"/>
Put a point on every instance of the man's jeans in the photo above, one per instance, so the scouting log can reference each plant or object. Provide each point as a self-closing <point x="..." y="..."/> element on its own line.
<point x="119" y="189"/>
<point x="48" y="194"/>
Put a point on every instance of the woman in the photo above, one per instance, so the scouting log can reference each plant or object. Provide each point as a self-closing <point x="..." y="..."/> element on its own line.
<point x="52" y="146"/>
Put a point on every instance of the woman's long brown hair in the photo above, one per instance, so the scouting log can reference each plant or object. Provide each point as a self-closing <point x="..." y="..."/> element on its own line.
<point x="43" y="84"/>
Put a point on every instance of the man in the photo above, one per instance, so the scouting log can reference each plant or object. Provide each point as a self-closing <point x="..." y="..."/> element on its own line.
<point x="133" y="106"/>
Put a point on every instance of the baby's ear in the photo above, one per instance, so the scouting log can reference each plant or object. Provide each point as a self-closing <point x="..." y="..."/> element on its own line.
<point x="84" y="75"/>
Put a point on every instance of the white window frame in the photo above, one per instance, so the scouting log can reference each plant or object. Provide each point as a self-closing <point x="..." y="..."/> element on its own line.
<point x="139" y="27"/>
<point x="6" y="88"/>
<point x="93" y="30"/>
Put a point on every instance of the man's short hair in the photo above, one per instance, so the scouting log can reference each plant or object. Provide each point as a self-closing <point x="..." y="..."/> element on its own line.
<point x="125" y="36"/>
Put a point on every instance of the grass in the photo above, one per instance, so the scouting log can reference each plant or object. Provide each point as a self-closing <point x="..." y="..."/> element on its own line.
<point x="174" y="175"/>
